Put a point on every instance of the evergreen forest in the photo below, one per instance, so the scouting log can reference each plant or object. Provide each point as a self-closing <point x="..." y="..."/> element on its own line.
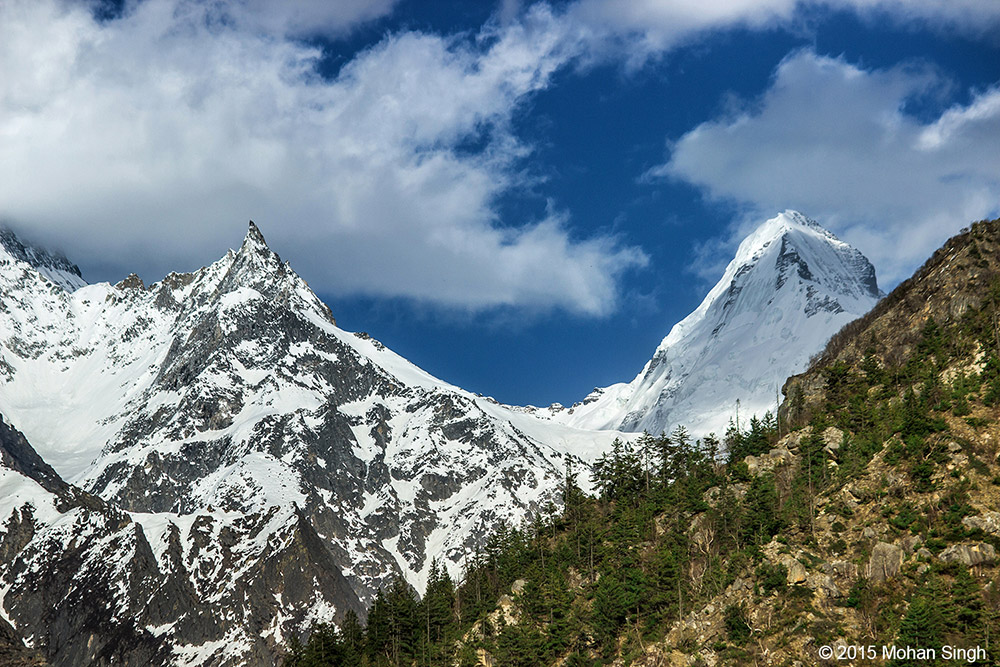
<point x="864" y="514"/>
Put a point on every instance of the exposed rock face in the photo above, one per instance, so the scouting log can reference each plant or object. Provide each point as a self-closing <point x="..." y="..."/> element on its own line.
<point x="885" y="562"/>
<point x="13" y="652"/>
<point x="988" y="522"/>
<point x="69" y="563"/>
<point x="824" y="585"/>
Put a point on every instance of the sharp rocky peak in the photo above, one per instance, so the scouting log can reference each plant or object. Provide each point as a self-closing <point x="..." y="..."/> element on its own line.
<point x="255" y="246"/>
<point x="254" y="239"/>
<point x="255" y="264"/>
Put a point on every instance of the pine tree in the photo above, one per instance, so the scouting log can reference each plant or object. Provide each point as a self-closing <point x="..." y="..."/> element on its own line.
<point x="966" y="602"/>
<point x="438" y="603"/>
<point x="922" y="627"/>
<point x="393" y="625"/>
<point x="353" y="635"/>
<point x="682" y="451"/>
<point x="760" y="519"/>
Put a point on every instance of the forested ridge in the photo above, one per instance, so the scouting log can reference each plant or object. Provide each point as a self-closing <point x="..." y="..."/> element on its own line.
<point x="869" y="514"/>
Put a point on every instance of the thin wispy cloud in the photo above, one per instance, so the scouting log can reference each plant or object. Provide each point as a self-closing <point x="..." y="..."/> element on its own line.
<point x="642" y="29"/>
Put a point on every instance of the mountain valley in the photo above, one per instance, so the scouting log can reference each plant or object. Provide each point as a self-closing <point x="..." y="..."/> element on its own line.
<point x="862" y="527"/>
<point x="257" y="472"/>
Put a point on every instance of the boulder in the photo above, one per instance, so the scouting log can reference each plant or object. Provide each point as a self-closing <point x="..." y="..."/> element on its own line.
<point x="832" y="437"/>
<point x="796" y="570"/>
<point x="988" y="522"/>
<point x="970" y="554"/>
<point x="781" y="454"/>
<point x="885" y="562"/>
<point x="910" y="543"/>
<point x="767" y="462"/>
<point x="824" y="585"/>
<point x="841" y="568"/>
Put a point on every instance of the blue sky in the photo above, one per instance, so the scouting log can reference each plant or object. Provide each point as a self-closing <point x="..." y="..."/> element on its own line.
<point x="522" y="198"/>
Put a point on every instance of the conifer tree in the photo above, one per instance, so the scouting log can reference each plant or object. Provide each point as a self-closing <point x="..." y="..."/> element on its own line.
<point x="966" y="602"/>
<point x="922" y="627"/>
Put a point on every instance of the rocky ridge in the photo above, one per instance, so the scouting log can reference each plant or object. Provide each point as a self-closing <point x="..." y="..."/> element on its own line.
<point x="957" y="278"/>
<point x="54" y="266"/>
<point x="83" y="585"/>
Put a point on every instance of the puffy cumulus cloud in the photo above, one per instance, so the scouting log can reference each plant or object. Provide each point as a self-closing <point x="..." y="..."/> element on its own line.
<point x="147" y="141"/>
<point x="836" y="142"/>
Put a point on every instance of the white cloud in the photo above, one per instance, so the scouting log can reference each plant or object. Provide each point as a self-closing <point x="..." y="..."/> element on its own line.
<point x="835" y="141"/>
<point x="149" y="140"/>
<point x="971" y="17"/>
<point x="648" y="27"/>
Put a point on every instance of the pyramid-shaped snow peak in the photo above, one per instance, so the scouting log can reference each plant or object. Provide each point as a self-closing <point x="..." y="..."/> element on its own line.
<point x="791" y="285"/>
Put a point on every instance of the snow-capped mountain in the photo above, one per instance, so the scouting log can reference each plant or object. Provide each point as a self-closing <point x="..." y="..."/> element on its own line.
<point x="791" y="285"/>
<point x="227" y="419"/>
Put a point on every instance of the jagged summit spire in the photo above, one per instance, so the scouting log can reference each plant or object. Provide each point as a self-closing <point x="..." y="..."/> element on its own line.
<point x="255" y="263"/>
<point x="255" y="245"/>
<point x="254" y="236"/>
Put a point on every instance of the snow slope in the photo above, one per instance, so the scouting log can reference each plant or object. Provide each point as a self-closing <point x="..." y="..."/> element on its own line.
<point x="791" y="285"/>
